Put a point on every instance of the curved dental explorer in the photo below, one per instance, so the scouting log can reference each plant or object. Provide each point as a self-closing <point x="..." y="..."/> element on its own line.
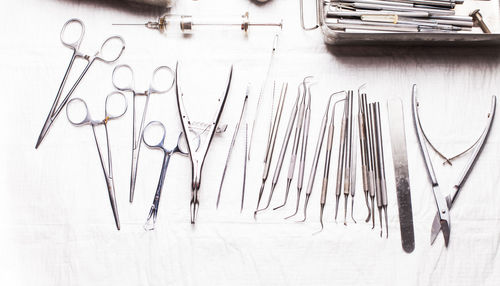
<point x="441" y="203"/>
<point x="372" y="174"/>
<point x="329" y="145"/>
<point x="198" y="148"/>
<point x="303" y="152"/>
<point x="317" y="153"/>
<point x="284" y="146"/>
<point x="376" y="155"/>
<point x="273" y="134"/>
<point x="381" y="163"/>
<point x="262" y="89"/>
<point x="233" y="140"/>
<point x="353" y="172"/>
<point x="363" y="143"/>
<point x="348" y="158"/>
<point x="296" y="140"/>
<point x="340" y="163"/>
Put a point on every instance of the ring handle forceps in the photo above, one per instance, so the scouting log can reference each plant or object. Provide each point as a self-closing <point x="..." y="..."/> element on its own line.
<point x="154" y="88"/>
<point x="87" y="120"/>
<point x="442" y="206"/>
<point x="75" y="46"/>
<point x="167" y="153"/>
<point x="199" y="151"/>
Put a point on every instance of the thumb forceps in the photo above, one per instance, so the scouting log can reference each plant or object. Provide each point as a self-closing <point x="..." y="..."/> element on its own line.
<point x="167" y="153"/>
<point x="162" y="81"/>
<point x="103" y="55"/>
<point x="198" y="149"/>
<point x="109" y="114"/>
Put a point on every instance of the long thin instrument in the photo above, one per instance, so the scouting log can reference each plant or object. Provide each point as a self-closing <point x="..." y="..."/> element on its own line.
<point x="262" y="89"/>
<point x="233" y="140"/>
<point x="273" y="134"/>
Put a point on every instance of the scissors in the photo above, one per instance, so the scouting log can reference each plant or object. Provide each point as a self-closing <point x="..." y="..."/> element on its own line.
<point x="198" y="148"/>
<point x="109" y="114"/>
<point x="159" y="84"/>
<point x="167" y="153"/>
<point x="100" y="55"/>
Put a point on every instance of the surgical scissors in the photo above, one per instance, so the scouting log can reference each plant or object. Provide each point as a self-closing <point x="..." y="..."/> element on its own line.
<point x="155" y="87"/>
<point x="442" y="206"/>
<point x="87" y="120"/>
<point x="198" y="152"/>
<point x="167" y="153"/>
<point x="75" y="46"/>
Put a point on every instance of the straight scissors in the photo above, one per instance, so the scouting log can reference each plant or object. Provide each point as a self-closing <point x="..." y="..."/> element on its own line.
<point x="100" y="55"/>
<point x="109" y="114"/>
<point x="162" y="81"/>
<point x="167" y="153"/>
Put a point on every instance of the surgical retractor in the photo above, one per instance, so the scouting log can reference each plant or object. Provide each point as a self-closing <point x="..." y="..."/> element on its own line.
<point x="296" y="139"/>
<point x="317" y="153"/>
<point x="273" y="133"/>
<point x="233" y="141"/>
<point x="281" y="156"/>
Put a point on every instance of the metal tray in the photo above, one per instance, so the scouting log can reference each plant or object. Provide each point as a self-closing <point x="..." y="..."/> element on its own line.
<point x="489" y="9"/>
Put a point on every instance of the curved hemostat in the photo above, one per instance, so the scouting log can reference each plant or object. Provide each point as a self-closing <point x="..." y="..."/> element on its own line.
<point x="198" y="144"/>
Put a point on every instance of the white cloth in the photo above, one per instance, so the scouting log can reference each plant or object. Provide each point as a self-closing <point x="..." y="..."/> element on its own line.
<point x="55" y="219"/>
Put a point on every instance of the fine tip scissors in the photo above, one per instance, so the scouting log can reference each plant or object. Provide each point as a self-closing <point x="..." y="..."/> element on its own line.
<point x="197" y="147"/>
<point x="109" y="114"/>
<point x="162" y="80"/>
<point x="102" y="55"/>
<point x="442" y="205"/>
<point x="167" y="153"/>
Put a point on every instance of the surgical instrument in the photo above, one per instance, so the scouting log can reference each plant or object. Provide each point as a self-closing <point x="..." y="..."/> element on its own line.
<point x="162" y="80"/>
<point x="348" y="170"/>
<point x="296" y="140"/>
<point x="261" y="93"/>
<point x="185" y="23"/>
<point x="342" y="155"/>
<point x="244" y="168"/>
<point x="233" y="140"/>
<point x="438" y="224"/>
<point x="326" y="172"/>
<point x="442" y="206"/>
<point x="401" y="173"/>
<point x="167" y="153"/>
<point x="372" y="174"/>
<point x="363" y="144"/>
<point x="198" y="151"/>
<point x="382" y="189"/>
<point x="317" y="153"/>
<point x="353" y="170"/>
<point x="273" y="134"/>
<point x="74" y="111"/>
<point x="103" y="55"/>
<point x="281" y="156"/>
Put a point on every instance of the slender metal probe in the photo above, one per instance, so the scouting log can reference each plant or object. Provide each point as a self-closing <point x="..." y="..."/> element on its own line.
<point x="244" y="168"/>
<point x="363" y="143"/>
<point x="353" y="171"/>
<point x="348" y="156"/>
<point x="233" y="140"/>
<point x="284" y="146"/>
<point x="271" y="142"/>
<point x="340" y="164"/>
<point x="262" y="89"/>
<point x="372" y="173"/>
<point x="317" y="153"/>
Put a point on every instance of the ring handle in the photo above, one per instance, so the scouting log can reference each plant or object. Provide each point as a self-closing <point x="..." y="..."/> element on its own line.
<point x="113" y="113"/>
<point x="150" y="142"/>
<point x="76" y="119"/>
<point x="76" y="44"/>
<point x="113" y="55"/>
<point x="116" y="75"/>
<point x="162" y="80"/>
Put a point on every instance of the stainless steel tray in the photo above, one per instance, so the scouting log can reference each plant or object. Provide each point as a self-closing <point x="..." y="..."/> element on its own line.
<point x="489" y="9"/>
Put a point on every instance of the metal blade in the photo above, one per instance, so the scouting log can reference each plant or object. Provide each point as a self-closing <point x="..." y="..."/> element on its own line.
<point x="436" y="223"/>
<point x="445" y="227"/>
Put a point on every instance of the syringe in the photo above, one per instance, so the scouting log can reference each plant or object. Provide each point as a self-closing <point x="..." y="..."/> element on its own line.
<point x="186" y="23"/>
